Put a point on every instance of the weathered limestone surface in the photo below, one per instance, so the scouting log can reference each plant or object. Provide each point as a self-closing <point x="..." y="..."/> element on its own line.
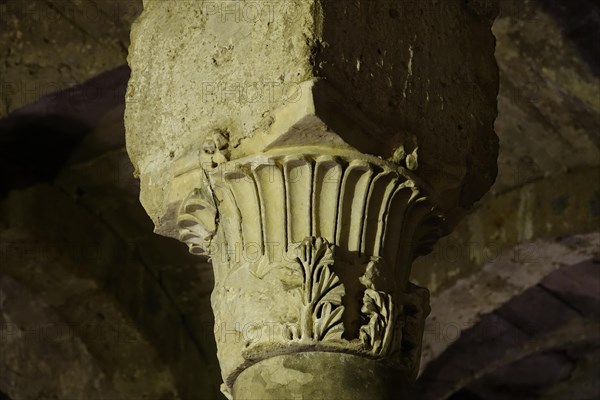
<point x="391" y="74"/>
<point x="313" y="167"/>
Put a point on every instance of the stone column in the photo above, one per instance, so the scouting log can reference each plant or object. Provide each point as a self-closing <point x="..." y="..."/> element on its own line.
<point x="313" y="149"/>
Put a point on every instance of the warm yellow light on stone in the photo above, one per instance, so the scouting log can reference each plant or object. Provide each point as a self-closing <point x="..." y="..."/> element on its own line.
<point x="313" y="152"/>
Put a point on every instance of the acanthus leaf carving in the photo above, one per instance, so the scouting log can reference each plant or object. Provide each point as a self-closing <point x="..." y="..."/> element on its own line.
<point x="321" y="292"/>
<point x="378" y="307"/>
<point x="375" y="335"/>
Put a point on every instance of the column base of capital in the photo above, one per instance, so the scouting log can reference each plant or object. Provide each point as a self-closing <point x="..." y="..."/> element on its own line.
<point x="321" y="375"/>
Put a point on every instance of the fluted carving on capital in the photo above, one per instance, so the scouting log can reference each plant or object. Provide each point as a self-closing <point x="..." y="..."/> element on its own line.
<point x="357" y="203"/>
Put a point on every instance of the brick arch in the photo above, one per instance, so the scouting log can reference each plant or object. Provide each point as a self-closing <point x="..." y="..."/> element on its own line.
<point x="554" y="316"/>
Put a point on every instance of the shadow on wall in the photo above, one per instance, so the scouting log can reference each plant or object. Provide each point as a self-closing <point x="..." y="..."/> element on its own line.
<point x="73" y="232"/>
<point x="38" y="141"/>
<point x="35" y="148"/>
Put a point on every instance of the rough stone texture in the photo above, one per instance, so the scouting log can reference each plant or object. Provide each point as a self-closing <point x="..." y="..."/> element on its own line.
<point x="42" y="357"/>
<point x="399" y="65"/>
<point x="196" y="81"/>
<point x="53" y="45"/>
<point x="404" y="83"/>
<point x="549" y="128"/>
<point x="80" y="267"/>
<point x="545" y="209"/>
<point x="548" y="107"/>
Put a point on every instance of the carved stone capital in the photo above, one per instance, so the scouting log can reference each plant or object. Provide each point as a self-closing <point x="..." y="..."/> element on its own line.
<point x="312" y="154"/>
<point x="312" y="248"/>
